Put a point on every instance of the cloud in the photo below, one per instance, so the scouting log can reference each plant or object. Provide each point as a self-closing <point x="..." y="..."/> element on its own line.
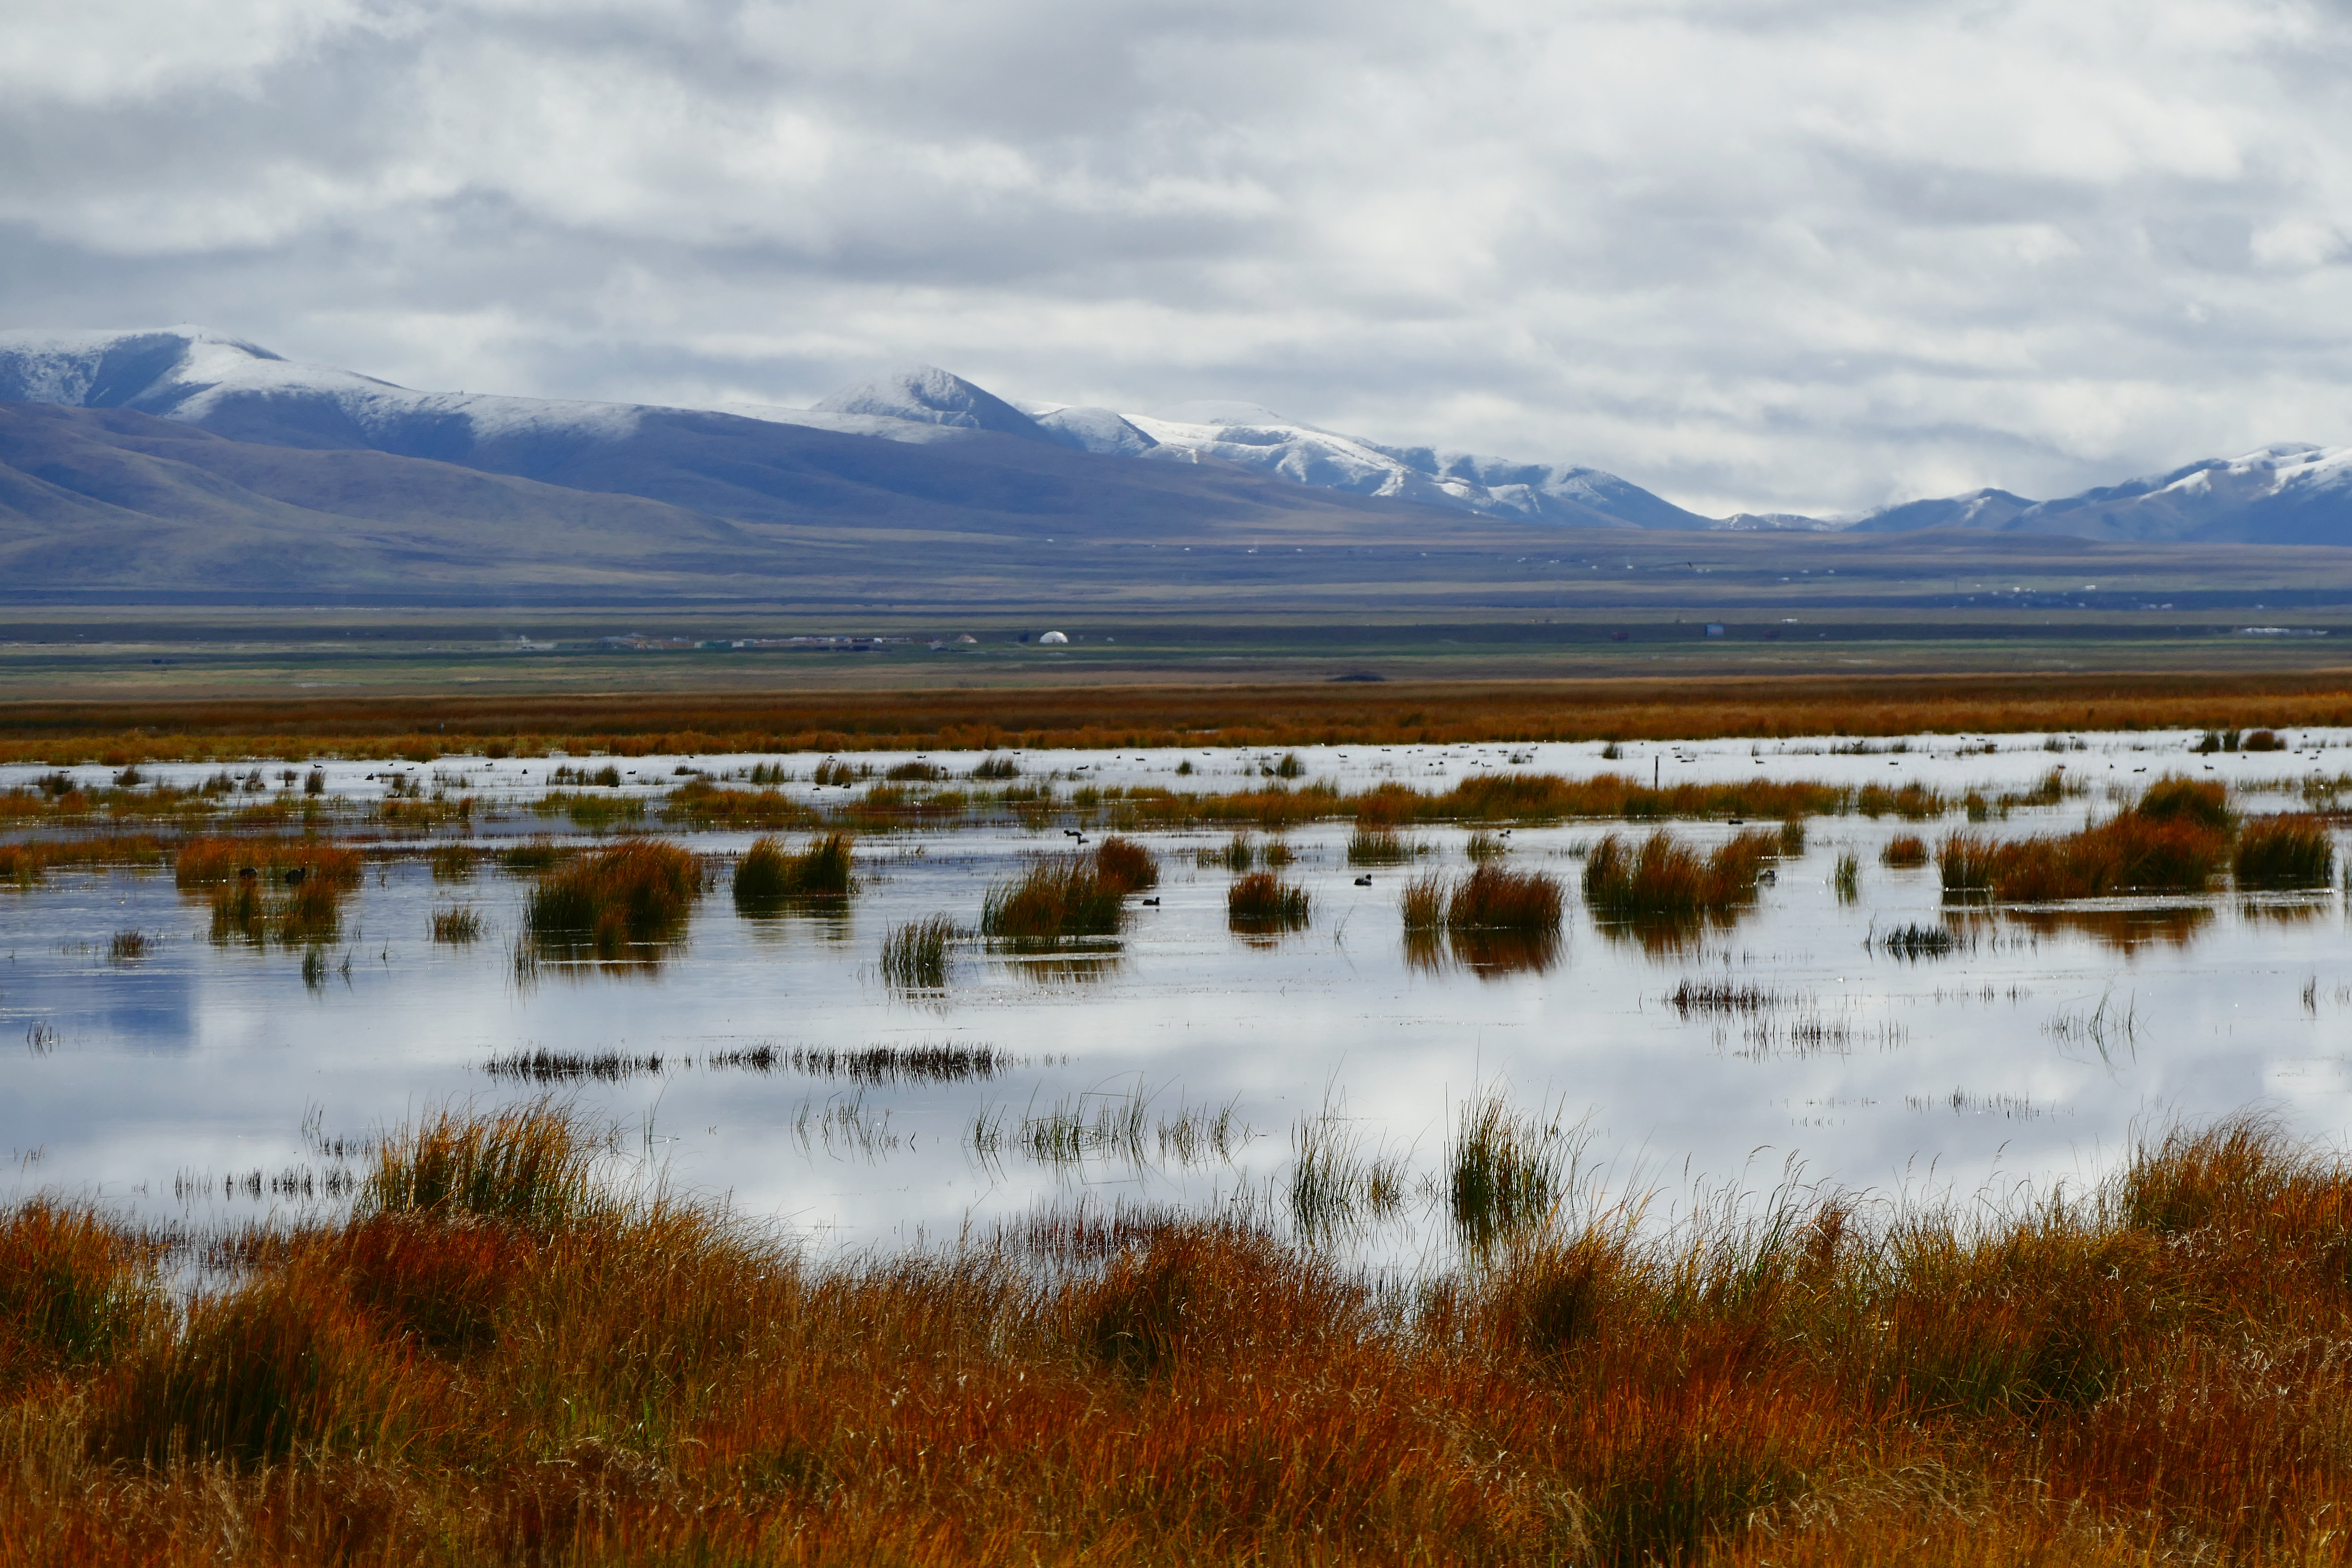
<point x="1770" y="253"/>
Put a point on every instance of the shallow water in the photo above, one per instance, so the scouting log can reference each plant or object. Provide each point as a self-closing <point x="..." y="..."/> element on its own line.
<point x="204" y="1081"/>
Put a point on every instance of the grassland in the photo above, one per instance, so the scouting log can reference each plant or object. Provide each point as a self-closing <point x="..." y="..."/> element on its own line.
<point x="1630" y="705"/>
<point x="494" y="1359"/>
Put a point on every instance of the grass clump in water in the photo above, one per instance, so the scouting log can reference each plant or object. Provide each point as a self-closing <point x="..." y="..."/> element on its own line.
<point x="2176" y="839"/>
<point x="1262" y="901"/>
<point x="1664" y="879"/>
<point x="1058" y="897"/>
<point x="1904" y="852"/>
<point x="1847" y="878"/>
<point x="769" y="874"/>
<point x="1125" y="865"/>
<point x="915" y="956"/>
<point x="2284" y="851"/>
<point x="460" y="925"/>
<point x="610" y="905"/>
<point x="1372" y="845"/>
<point x="453" y="862"/>
<point x="1505" y="1171"/>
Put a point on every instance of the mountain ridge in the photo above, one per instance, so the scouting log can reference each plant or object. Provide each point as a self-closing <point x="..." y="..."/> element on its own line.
<point x="2285" y="493"/>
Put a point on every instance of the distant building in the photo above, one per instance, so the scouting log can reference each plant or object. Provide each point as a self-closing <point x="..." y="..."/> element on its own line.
<point x="1715" y="628"/>
<point x="1052" y="637"/>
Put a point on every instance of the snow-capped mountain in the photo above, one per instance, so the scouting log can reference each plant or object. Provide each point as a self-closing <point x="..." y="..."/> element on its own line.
<point x="2292" y="493"/>
<point x="230" y="387"/>
<point x="242" y="390"/>
<point x="2281" y="494"/>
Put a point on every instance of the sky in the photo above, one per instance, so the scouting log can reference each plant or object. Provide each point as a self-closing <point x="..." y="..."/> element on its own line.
<point x="1756" y="255"/>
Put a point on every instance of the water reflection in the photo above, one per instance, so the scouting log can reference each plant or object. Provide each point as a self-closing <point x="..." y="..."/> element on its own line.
<point x="2123" y="931"/>
<point x="1057" y="969"/>
<point x="2285" y="910"/>
<point x="1670" y="936"/>
<point x="1488" y="954"/>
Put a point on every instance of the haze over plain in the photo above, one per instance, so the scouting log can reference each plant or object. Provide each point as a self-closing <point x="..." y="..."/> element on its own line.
<point x="1782" y="257"/>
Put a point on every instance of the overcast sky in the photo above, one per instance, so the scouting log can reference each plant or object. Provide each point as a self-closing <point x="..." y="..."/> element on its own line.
<point x="1754" y="254"/>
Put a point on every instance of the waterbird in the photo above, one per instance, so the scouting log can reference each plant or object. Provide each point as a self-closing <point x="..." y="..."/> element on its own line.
<point x="1363" y="881"/>
<point x="1151" y="903"/>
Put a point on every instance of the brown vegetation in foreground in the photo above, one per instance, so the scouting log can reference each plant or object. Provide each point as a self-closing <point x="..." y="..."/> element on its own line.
<point x="421" y="728"/>
<point x="492" y="1361"/>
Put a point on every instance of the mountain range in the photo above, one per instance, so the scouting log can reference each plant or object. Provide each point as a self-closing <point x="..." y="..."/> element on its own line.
<point x="181" y="455"/>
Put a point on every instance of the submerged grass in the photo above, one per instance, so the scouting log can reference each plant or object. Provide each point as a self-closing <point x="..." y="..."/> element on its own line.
<point x="496" y="1358"/>
<point x="458" y="925"/>
<point x="915" y="956"/>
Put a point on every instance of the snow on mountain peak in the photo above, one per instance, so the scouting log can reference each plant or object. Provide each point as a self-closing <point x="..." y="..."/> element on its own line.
<point x="926" y="395"/>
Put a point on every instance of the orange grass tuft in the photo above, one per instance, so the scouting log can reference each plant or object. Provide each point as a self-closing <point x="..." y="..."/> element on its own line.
<point x="1125" y="865"/>
<point x="635" y="895"/>
<point x="1664" y="879"/>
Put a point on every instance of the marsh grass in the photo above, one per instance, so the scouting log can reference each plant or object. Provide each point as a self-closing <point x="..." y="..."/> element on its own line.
<point x="1716" y="998"/>
<point x="211" y="862"/>
<point x="460" y="925"/>
<point x="128" y="945"/>
<point x="1381" y="846"/>
<point x="1237" y="854"/>
<point x="453" y="862"/>
<point x="495" y="1357"/>
<point x="1333" y="1185"/>
<point x="877" y="1064"/>
<point x="535" y="855"/>
<point x="619" y="903"/>
<point x="2176" y="839"/>
<point x="915" y="956"/>
<point x="2284" y="851"/>
<point x="1505" y="1171"/>
<point x="258" y="911"/>
<point x="1483" y="846"/>
<point x="1845" y="881"/>
<point x="1664" y="880"/>
<point x="1059" y="897"/>
<point x="27" y="862"/>
<point x="542" y="1066"/>
<point x="1125" y="867"/>
<point x="1261" y="902"/>
<point x="1904" y="852"/>
<point x="1912" y="941"/>
<point x="769" y="877"/>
